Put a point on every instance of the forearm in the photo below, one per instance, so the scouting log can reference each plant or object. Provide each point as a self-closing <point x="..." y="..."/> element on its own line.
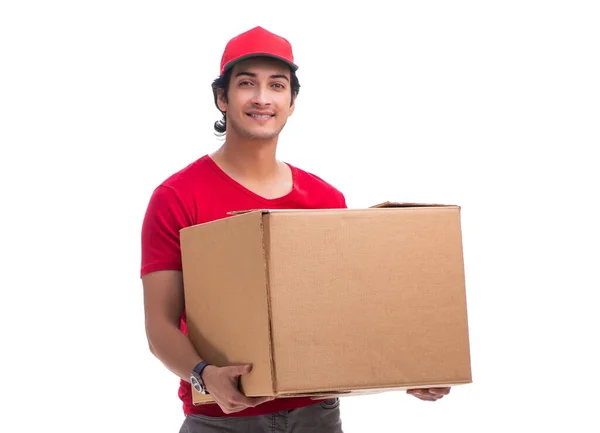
<point x="173" y="349"/>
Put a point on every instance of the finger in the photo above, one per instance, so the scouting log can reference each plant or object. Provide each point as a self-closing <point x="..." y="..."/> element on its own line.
<point x="236" y="403"/>
<point x="437" y="392"/>
<point x="424" y="394"/>
<point x="232" y="409"/>
<point x="238" y="370"/>
<point x="241" y="400"/>
<point x="427" y="398"/>
<point x="418" y="391"/>
<point x="227" y="406"/>
<point x="261" y="400"/>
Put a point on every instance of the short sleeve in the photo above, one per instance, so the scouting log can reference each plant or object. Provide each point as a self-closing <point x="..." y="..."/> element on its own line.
<point x="164" y="217"/>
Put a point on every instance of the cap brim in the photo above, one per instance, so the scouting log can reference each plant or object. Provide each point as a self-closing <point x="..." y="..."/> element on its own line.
<point x="232" y="63"/>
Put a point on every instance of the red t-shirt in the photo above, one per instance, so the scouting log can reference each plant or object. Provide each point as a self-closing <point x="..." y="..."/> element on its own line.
<point x="202" y="192"/>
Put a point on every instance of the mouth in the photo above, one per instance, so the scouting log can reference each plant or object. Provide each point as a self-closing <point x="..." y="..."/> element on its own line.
<point x="260" y="116"/>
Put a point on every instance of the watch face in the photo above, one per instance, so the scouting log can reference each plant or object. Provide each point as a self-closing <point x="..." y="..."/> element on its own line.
<point x="196" y="384"/>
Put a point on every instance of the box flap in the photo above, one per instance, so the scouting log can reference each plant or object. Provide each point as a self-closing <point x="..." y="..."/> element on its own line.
<point x="267" y="211"/>
<point x="407" y="204"/>
<point x="241" y="212"/>
<point x="227" y="305"/>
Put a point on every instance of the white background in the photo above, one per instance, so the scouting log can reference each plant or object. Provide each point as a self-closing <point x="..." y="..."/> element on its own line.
<point x="490" y="105"/>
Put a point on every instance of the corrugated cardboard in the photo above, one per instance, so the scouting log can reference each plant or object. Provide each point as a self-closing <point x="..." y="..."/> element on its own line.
<point x="330" y="302"/>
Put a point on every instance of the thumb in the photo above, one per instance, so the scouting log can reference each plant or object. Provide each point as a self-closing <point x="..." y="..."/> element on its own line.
<point x="238" y="370"/>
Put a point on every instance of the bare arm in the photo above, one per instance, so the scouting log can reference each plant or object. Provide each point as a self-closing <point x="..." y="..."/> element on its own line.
<point x="163" y="307"/>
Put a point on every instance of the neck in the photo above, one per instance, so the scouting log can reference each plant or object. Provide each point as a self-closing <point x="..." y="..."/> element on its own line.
<point x="254" y="159"/>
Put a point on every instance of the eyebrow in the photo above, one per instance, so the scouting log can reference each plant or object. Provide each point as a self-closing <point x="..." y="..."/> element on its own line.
<point x="253" y="75"/>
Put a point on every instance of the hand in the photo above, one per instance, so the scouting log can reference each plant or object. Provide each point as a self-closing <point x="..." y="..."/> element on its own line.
<point x="429" y="394"/>
<point x="222" y="384"/>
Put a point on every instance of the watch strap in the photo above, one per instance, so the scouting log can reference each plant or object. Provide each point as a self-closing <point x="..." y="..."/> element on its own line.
<point x="199" y="368"/>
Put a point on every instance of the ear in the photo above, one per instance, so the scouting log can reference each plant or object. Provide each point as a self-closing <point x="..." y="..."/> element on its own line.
<point x="221" y="102"/>
<point x="293" y="106"/>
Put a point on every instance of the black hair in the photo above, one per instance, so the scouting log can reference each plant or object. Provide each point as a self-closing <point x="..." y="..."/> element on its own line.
<point x="223" y="81"/>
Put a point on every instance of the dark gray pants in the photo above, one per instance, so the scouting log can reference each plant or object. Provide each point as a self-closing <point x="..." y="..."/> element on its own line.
<point x="322" y="417"/>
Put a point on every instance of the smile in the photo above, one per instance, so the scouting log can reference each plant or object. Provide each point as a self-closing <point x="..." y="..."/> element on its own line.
<point x="261" y="116"/>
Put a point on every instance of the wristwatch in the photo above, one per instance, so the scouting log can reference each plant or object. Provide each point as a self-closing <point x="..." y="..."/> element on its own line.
<point x="196" y="377"/>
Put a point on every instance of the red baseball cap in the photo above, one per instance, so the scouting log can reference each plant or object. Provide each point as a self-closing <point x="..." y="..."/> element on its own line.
<point x="257" y="42"/>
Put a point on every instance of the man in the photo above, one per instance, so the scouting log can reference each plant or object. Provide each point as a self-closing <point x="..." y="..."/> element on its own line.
<point x="256" y="93"/>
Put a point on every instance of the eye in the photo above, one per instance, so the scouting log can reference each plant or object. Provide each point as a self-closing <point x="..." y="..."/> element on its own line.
<point x="245" y="83"/>
<point x="279" y="86"/>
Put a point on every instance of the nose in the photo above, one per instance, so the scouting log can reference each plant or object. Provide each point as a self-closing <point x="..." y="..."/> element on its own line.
<point x="260" y="96"/>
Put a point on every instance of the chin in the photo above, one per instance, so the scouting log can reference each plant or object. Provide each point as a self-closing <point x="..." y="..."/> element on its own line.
<point x="260" y="135"/>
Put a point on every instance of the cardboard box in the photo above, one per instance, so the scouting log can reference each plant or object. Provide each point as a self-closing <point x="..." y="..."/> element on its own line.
<point x="329" y="302"/>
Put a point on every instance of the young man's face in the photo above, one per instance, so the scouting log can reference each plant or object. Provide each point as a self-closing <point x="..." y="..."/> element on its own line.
<point x="259" y="100"/>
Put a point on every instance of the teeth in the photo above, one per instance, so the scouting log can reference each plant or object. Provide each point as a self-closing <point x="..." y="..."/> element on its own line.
<point x="261" y="116"/>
